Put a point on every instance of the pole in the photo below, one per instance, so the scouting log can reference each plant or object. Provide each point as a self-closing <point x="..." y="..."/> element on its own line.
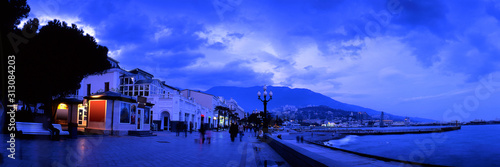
<point x="265" y="117"/>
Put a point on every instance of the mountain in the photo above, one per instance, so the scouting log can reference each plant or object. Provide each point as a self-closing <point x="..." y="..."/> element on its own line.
<point x="299" y="97"/>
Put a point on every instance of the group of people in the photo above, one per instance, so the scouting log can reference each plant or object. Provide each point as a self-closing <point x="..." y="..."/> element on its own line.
<point x="181" y="126"/>
<point x="236" y="129"/>
<point x="206" y="134"/>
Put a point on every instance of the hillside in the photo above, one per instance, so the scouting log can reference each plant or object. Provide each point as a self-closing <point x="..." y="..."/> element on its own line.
<point x="248" y="100"/>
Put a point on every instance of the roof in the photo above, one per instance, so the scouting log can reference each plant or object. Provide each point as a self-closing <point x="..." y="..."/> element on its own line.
<point x="114" y="63"/>
<point x="137" y="70"/>
<point x="108" y="95"/>
<point x="113" y="60"/>
<point x="171" y="87"/>
<point x="199" y="92"/>
<point x="146" y="81"/>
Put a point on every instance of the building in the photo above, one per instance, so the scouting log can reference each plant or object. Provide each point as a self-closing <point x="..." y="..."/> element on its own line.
<point x="233" y="105"/>
<point x="96" y="104"/>
<point x="113" y="113"/>
<point x="208" y="102"/>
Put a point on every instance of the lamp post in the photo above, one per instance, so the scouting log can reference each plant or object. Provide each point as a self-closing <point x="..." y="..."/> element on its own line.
<point x="265" y="100"/>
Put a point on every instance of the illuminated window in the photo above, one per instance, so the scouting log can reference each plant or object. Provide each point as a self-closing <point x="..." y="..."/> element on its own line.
<point x="62" y="106"/>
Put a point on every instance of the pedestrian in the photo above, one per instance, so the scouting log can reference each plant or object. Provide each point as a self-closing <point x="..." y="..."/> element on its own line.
<point x="241" y="129"/>
<point x="185" y="130"/>
<point x="302" y="139"/>
<point x="298" y="138"/>
<point x="255" y="129"/>
<point x="233" y="130"/>
<point x="178" y="128"/>
<point x="202" y="134"/>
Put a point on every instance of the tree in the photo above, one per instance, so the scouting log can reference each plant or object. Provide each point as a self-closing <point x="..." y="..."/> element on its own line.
<point x="55" y="61"/>
<point x="12" y="13"/>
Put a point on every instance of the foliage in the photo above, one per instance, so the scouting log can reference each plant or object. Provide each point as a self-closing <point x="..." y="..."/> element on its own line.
<point x="12" y="13"/>
<point x="55" y="61"/>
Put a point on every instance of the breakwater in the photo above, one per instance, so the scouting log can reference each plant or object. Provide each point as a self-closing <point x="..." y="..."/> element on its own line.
<point x="382" y="131"/>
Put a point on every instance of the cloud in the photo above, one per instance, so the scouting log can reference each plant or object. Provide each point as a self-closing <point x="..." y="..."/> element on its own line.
<point x="202" y="77"/>
<point x="425" y="53"/>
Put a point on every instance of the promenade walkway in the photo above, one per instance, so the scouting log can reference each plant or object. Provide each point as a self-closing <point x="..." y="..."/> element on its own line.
<point x="166" y="149"/>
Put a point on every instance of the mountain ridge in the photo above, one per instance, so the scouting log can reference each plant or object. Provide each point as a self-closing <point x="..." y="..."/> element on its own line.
<point x="299" y="97"/>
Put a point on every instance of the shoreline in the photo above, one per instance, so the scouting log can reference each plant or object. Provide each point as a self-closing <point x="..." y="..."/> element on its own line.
<point x="318" y="139"/>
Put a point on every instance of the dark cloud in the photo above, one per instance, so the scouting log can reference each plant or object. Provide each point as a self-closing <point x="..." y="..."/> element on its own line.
<point x="233" y="73"/>
<point x="431" y="15"/>
<point x="237" y="35"/>
<point x="217" y="46"/>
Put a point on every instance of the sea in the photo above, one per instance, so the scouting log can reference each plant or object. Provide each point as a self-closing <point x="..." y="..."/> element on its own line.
<point x="472" y="145"/>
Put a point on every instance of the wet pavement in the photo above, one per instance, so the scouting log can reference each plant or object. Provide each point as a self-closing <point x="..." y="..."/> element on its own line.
<point x="165" y="149"/>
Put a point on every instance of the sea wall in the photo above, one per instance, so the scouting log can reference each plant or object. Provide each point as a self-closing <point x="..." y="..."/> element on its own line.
<point x="297" y="156"/>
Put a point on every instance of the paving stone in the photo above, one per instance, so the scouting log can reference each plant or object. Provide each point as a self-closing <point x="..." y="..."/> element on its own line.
<point x="137" y="151"/>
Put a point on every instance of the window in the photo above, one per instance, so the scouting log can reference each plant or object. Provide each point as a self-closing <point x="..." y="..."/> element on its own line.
<point x="141" y="87"/>
<point x="141" y="93"/>
<point x="146" y="93"/>
<point x="126" y="80"/>
<point x="124" y="113"/>
<point x="121" y="81"/>
<point x="106" y="86"/>
<point x="146" y="87"/>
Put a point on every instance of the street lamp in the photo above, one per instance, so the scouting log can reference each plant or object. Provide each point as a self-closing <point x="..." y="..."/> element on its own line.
<point x="264" y="100"/>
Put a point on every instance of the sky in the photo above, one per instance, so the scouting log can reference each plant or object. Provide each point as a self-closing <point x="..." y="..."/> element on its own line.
<point x="432" y="59"/>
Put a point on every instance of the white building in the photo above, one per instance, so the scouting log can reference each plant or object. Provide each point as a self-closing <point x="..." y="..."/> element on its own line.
<point x="169" y="106"/>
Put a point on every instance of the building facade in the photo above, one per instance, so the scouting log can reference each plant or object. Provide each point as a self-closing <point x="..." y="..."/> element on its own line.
<point x="167" y="107"/>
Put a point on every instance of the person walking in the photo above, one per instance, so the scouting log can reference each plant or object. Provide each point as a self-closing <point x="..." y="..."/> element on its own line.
<point x="185" y="130"/>
<point x="241" y="129"/>
<point x="255" y="130"/>
<point x="233" y="130"/>
<point x="202" y="134"/>
<point x="178" y="128"/>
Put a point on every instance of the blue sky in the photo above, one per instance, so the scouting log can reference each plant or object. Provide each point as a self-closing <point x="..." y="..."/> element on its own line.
<point x="433" y="59"/>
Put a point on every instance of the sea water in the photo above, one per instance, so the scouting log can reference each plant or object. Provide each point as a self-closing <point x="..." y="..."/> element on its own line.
<point x="474" y="145"/>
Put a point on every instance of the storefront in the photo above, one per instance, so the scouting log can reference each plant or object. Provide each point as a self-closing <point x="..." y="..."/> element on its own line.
<point x="70" y="111"/>
<point x="112" y="113"/>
